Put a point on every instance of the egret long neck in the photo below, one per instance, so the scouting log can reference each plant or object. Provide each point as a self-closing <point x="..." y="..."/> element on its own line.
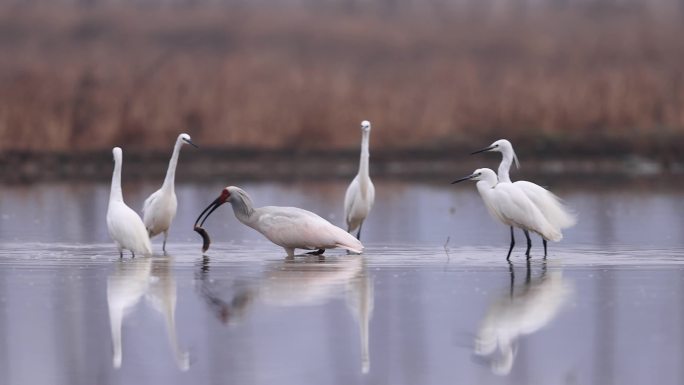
<point x="363" y="163"/>
<point x="115" y="193"/>
<point x="171" y="171"/>
<point x="486" y="190"/>
<point x="484" y="186"/>
<point x="505" y="166"/>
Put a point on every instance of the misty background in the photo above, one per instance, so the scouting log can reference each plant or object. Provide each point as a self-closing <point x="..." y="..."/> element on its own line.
<point x="576" y="81"/>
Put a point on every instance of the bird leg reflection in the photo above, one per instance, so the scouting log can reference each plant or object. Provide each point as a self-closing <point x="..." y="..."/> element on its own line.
<point x="131" y="281"/>
<point x="162" y="296"/>
<point x="360" y="302"/>
<point x="224" y="310"/>
<point x="519" y="313"/>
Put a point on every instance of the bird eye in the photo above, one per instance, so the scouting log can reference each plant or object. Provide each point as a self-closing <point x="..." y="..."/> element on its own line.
<point x="496" y="145"/>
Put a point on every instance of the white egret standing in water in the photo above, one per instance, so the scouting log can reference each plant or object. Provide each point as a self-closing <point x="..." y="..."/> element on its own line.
<point x="289" y="227"/>
<point x="512" y="207"/>
<point x="159" y="208"/>
<point x="124" y="225"/>
<point x="548" y="203"/>
<point x="361" y="193"/>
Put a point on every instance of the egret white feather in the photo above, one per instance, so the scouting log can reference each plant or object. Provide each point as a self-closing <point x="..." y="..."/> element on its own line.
<point x="160" y="207"/>
<point x="360" y="195"/>
<point x="124" y="225"/>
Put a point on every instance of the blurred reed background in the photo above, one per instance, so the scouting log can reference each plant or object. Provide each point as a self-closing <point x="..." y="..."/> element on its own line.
<point x="563" y="79"/>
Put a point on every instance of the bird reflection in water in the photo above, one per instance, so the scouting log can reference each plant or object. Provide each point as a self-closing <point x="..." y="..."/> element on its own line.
<point x="519" y="313"/>
<point x="151" y="278"/>
<point x="309" y="281"/>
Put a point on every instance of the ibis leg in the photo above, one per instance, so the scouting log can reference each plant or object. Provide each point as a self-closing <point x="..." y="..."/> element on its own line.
<point x="166" y="235"/>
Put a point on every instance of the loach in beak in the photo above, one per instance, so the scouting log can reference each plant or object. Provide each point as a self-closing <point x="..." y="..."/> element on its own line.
<point x="483" y="150"/>
<point x="206" y="241"/>
<point x="205" y="238"/>
<point x="471" y="176"/>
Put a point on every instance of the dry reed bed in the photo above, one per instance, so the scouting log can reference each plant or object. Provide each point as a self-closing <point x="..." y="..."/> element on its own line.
<point x="85" y="79"/>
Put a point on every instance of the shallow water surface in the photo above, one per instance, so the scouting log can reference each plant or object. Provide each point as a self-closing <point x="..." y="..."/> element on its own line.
<point x="431" y="301"/>
<point x="72" y="314"/>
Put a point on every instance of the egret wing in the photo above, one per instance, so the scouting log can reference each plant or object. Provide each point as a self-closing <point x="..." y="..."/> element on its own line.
<point x="515" y="206"/>
<point x="349" y="196"/>
<point x="149" y="202"/>
<point x="550" y="205"/>
<point x="149" y="212"/>
<point x="371" y="193"/>
<point x="126" y="227"/>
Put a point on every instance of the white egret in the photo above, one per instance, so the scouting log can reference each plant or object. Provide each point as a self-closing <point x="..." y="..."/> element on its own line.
<point x="548" y="203"/>
<point x="124" y="225"/>
<point x="512" y="207"/>
<point x="361" y="193"/>
<point x="159" y="208"/>
<point x="289" y="227"/>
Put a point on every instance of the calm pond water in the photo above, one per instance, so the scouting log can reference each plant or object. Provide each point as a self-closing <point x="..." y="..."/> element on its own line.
<point x="432" y="300"/>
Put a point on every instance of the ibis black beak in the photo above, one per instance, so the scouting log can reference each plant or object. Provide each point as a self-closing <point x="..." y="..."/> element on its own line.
<point x="483" y="150"/>
<point x="188" y="141"/>
<point x="206" y="241"/>
<point x="471" y="176"/>
<point x="210" y="209"/>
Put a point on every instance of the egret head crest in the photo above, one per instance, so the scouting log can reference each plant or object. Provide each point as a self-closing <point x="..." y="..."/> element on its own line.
<point x="506" y="149"/>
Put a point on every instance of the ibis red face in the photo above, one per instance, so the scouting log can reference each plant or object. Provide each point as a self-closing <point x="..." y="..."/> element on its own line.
<point x="225" y="195"/>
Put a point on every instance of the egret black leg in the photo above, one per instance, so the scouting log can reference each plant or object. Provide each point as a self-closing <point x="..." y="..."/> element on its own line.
<point x="512" y="271"/>
<point x="529" y="243"/>
<point x="317" y="252"/>
<point x="528" y="274"/>
<point x="544" y="241"/>
<point x="132" y="254"/>
<point x="508" y="257"/>
<point x="358" y="235"/>
<point x="120" y="254"/>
